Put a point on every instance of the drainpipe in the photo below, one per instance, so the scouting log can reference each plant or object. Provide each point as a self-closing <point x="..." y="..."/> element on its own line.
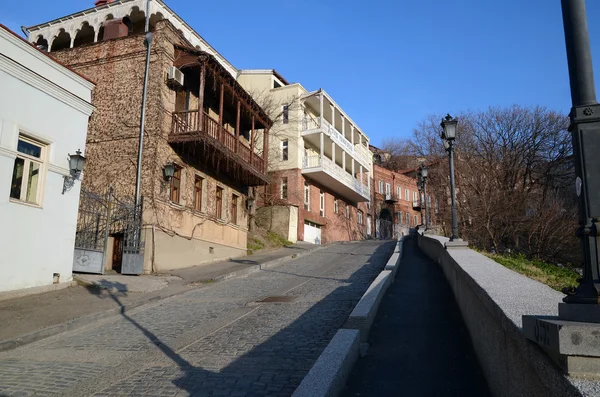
<point x="148" y="43"/>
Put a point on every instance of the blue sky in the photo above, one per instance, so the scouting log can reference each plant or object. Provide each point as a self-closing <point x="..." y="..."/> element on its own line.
<point x="388" y="63"/>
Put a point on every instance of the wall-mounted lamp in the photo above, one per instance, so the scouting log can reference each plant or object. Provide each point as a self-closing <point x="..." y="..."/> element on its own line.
<point x="249" y="202"/>
<point x="76" y="163"/>
<point x="168" y="171"/>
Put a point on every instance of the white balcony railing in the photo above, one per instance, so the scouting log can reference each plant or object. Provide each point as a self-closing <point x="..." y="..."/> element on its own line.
<point x="359" y="152"/>
<point x="336" y="172"/>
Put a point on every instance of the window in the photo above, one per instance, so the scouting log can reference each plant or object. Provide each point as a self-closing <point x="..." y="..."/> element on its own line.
<point x="347" y="211"/>
<point x="399" y="217"/>
<point x="198" y="193"/>
<point x="381" y="187"/>
<point x="286" y="114"/>
<point x="26" y="182"/>
<point x="176" y="185"/>
<point x="414" y="196"/>
<point x="416" y="220"/>
<point x="306" y="196"/>
<point x="234" y="208"/>
<point x="360" y="217"/>
<point x="387" y="189"/>
<point x="406" y="196"/>
<point x="399" y="192"/>
<point x="219" y="202"/>
<point x="284" y="150"/>
<point x="336" y="206"/>
<point x="321" y="203"/>
<point x="408" y="219"/>
<point x="283" y="194"/>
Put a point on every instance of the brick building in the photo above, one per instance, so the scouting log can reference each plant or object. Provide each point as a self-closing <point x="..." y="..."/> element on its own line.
<point x="320" y="166"/>
<point x="396" y="202"/>
<point x="199" y="122"/>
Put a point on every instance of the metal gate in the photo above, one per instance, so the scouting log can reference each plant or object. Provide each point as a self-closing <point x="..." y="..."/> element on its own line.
<point x="101" y="216"/>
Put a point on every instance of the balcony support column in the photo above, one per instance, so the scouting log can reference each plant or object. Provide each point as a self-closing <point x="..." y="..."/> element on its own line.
<point x="321" y="109"/>
<point x="361" y="174"/>
<point x="252" y="141"/>
<point x="201" y="95"/>
<point x="221" y="99"/>
<point x="333" y="151"/>
<point x="237" y="125"/>
<point x="344" y="160"/>
<point x="352" y="135"/>
<point x="353" y="170"/>
<point x="265" y="148"/>
<point x="322" y="145"/>
<point x="343" y="126"/>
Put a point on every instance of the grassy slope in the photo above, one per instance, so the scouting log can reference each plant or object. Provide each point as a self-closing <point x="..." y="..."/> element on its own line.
<point x="551" y="275"/>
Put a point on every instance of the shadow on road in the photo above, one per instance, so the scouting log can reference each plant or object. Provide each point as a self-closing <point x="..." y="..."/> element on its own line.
<point x="273" y="366"/>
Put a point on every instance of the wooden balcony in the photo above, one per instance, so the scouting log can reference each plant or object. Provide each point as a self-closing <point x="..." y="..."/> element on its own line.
<point x="234" y="157"/>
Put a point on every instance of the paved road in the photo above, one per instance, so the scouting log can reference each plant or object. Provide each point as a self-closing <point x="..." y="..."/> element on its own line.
<point x="213" y="341"/>
<point x="419" y="343"/>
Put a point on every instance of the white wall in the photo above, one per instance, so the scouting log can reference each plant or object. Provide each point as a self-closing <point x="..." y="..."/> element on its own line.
<point x="37" y="241"/>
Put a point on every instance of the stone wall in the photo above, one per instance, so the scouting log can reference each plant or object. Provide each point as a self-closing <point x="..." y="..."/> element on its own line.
<point x="117" y="66"/>
<point x="492" y="300"/>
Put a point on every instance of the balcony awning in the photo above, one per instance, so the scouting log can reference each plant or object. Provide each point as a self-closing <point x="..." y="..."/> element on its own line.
<point x="191" y="57"/>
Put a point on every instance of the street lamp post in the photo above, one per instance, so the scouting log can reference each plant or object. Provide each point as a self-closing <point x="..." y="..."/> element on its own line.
<point x="420" y="188"/>
<point x="448" y="135"/>
<point x="424" y="171"/>
<point x="585" y="133"/>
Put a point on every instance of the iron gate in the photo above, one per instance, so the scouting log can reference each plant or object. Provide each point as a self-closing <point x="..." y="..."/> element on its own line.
<point x="101" y="216"/>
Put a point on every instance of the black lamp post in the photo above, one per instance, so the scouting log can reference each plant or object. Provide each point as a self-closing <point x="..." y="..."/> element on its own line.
<point x="424" y="171"/>
<point x="420" y="187"/>
<point x="448" y="135"/>
<point x="585" y="133"/>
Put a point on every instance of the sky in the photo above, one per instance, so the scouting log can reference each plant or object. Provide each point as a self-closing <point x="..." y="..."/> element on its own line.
<point x="387" y="63"/>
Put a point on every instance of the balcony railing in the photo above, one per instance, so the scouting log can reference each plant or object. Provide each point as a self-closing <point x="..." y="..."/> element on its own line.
<point x="337" y="172"/>
<point x="187" y="122"/>
<point x="311" y="124"/>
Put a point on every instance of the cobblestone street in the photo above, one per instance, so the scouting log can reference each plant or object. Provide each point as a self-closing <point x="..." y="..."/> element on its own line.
<point x="217" y="340"/>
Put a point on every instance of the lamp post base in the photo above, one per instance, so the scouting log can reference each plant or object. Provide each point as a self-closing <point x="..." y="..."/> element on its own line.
<point x="456" y="243"/>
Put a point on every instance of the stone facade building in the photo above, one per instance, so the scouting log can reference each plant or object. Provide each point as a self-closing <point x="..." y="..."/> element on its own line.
<point x="320" y="166"/>
<point x="200" y="124"/>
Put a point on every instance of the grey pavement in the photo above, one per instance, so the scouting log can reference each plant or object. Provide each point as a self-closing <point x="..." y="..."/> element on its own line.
<point x="419" y="343"/>
<point x="38" y="313"/>
<point x="222" y="339"/>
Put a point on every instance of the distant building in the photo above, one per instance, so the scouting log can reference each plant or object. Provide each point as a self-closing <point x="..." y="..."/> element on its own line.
<point x="320" y="165"/>
<point x="44" y="113"/>
<point x="396" y="202"/>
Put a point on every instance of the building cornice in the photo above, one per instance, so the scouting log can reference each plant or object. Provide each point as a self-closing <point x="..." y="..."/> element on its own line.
<point x="33" y="79"/>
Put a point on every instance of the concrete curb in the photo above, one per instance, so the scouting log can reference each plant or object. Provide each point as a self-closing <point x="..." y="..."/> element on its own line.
<point x="327" y="378"/>
<point x="395" y="259"/>
<point x="20" y="293"/>
<point x="80" y="322"/>
<point x="364" y="312"/>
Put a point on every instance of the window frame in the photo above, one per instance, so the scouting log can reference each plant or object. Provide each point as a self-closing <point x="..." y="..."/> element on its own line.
<point x="177" y="176"/>
<point x="336" y="206"/>
<point x="406" y="195"/>
<point x="321" y="203"/>
<point x="28" y="160"/>
<point x="234" y="208"/>
<point x="285" y="149"/>
<point x="360" y="217"/>
<point x="347" y="211"/>
<point x="219" y="202"/>
<point x="198" y="191"/>
<point x="388" y="189"/>
<point x="399" y="192"/>
<point x="306" y="196"/>
<point x="283" y="188"/>
<point x="286" y="114"/>
<point x="380" y="187"/>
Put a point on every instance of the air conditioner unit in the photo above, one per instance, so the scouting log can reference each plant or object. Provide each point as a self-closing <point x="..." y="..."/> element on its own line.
<point x="175" y="76"/>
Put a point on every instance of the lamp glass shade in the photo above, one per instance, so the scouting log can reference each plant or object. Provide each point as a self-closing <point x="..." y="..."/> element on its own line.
<point x="424" y="171"/>
<point x="76" y="162"/>
<point x="169" y="171"/>
<point x="449" y="128"/>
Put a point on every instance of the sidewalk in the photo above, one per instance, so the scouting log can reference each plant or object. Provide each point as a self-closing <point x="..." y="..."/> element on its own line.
<point x="419" y="343"/>
<point x="30" y="318"/>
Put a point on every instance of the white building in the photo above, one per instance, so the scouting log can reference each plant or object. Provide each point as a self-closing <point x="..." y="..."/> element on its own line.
<point x="44" y="112"/>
